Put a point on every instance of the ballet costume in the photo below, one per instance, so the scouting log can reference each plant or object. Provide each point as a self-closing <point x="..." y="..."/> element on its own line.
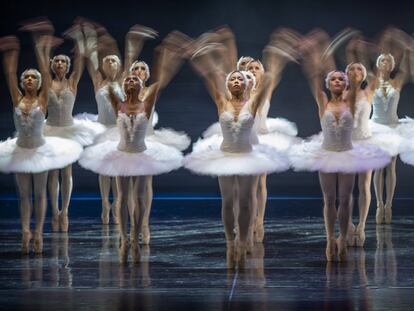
<point x="31" y="151"/>
<point x="235" y="152"/>
<point x="132" y="155"/>
<point x="279" y="133"/>
<point x="334" y="151"/>
<point x="60" y="122"/>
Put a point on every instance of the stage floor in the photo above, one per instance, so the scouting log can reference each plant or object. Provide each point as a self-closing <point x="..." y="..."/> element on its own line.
<point x="184" y="268"/>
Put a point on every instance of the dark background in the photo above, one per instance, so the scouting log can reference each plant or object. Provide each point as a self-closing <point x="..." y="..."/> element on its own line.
<point x="185" y="104"/>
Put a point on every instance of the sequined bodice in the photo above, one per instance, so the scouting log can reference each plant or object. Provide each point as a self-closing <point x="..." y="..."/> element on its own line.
<point x="337" y="132"/>
<point x="60" y="108"/>
<point x="362" y="129"/>
<point x="106" y="114"/>
<point x="236" y="134"/>
<point x="385" y="107"/>
<point x="132" y="129"/>
<point x="29" y="127"/>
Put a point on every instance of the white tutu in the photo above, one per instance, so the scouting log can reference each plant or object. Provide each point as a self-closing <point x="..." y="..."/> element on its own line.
<point x="406" y="127"/>
<point x="310" y="156"/>
<point x="169" y="137"/>
<point x="274" y="125"/>
<point x="280" y="141"/>
<point x="208" y="159"/>
<point x="82" y="131"/>
<point x="55" y="153"/>
<point x="105" y="159"/>
<point x="407" y="155"/>
<point x="387" y="138"/>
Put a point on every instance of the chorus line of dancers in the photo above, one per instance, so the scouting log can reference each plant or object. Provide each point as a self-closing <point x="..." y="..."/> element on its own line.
<point x="121" y="145"/>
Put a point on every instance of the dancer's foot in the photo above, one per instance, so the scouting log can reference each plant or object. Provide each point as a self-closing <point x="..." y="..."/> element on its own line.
<point x="145" y="234"/>
<point x="105" y="214"/>
<point x="379" y="217"/>
<point x="388" y="214"/>
<point x="115" y="217"/>
<point x="350" y="239"/>
<point x="123" y="251"/>
<point x="55" y="222"/>
<point x="259" y="233"/>
<point x="360" y="236"/>
<point x="230" y="256"/>
<point x="330" y="249"/>
<point x="241" y="250"/>
<point x="64" y="221"/>
<point x="342" y="249"/>
<point x="38" y="243"/>
<point x="26" y="237"/>
<point x="135" y="252"/>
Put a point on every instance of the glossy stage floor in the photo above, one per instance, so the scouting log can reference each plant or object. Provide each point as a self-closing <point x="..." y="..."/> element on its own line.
<point x="184" y="268"/>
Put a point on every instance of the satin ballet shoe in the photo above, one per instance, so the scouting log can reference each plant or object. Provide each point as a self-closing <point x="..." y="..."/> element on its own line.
<point x="342" y="249"/>
<point x="64" y="221"/>
<point x="38" y="243"/>
<point x="145" y="235"/>
<point x="330" y="250"/>
<point x="55" y="222"/>
<point x="259" y="233"/>
<point x="388" y="214"/>
<point x="123" y="251"/>
<point x="135" y="252"/>
<point x="379" y="216"/>
<point x="26" y="237"/>
<point x="350" y="237"/>
<point x="230" y="255"/>
<point x="360" y="237"/>
<point x="105" y="215"/>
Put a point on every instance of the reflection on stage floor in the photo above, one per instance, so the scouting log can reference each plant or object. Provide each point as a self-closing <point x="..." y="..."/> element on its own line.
<point x="184" y="268"/>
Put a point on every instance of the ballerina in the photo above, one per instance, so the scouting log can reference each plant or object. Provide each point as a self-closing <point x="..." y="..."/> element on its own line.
<point x="59" y="122"/>
<point x="112" y="73"/>
<point x="133" y="159"/>
<point x="232" y="157"/>
<point x="31" y="155"/>
<point x="335" y="157"/>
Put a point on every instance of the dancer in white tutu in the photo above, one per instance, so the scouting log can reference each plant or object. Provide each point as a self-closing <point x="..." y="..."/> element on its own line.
<point x="133" y="158"/>
<point x="385" y="103"/>
<point x="232" y="157"/>
<point x="60" y="123"/>
<point x="336" y="157"/>
<point x="112" y="74"/>
<point x="31" y="155"/>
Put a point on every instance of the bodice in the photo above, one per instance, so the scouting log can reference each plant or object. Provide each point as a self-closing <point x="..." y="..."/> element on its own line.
<point x="362" y="129"/>
<point x="29" y="127"/>
<point x="106" y="113"/>
<point x="385" y="107"/>
<point x="236" y="134"/>
<point x="337" y="133"/>
<point x="132" y="129"/>
<point x="59" y="108"/>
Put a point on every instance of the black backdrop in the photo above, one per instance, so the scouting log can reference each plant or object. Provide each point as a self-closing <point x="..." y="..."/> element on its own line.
<point x="185" y="104"/>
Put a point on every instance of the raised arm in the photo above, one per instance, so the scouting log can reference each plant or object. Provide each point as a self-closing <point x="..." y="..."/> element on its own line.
<point x="134" y="41"/>
<point x="230" y="48"/>
<point x="313" y="70"/>
<point x="10" y="47"/>
<point x="261" y="95"/>
<point x="115" y="101"/>
<point x="75" y="34"/>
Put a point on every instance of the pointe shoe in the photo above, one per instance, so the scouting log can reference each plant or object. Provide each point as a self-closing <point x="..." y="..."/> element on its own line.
<point x="360" y="237"/>
<point x="342" y="249"/>
<point x="241" y="251"/>
<point x="123" y="251"/>
<point x="135" y="252"/>
<point x="330" y="250"/>
<point x="350" y="238"/>
<point x="379" y="217"/>
<point x="55" y="223"/>
<point x="27" y="236"/>
<point x="388" y="214"/>
<point x="230" y="256"/>
<point x="115" y="217"/>
<point x="64" y="221"/>
<point x="105" y="215"/>
<point x="38" y="243"/>
<point x="145" y="235"/>
<point x="259" y="233"/>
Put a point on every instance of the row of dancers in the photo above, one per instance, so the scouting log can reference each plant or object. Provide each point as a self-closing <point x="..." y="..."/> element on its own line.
<point x="121" y="145"/>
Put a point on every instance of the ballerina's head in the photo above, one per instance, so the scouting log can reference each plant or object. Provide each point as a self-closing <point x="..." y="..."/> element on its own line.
<point x="30" y="80"/>
<point x="140" y="69"/>
<point x="385" y="62"/>
<point x="60" y="64"/>
<point x="336" y="81"/>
